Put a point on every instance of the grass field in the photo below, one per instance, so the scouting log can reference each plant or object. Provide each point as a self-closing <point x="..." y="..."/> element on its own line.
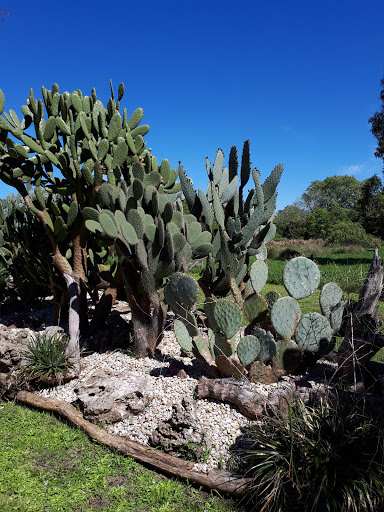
<point x="46" y="465"/>
<point x="348" y="269"/>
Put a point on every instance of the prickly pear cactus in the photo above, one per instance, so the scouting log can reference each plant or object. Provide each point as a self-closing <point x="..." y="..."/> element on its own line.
<point x="238" y="338"/>
<point x="240" y="227"/>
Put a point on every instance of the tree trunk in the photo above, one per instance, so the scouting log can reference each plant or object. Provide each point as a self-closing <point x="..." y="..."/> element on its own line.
<point x="72" y="350"/>
<point x="104" y="306"/>
<point x="148" y="313"/>
<point x="361" y="340"/>
<point x="148" y="319"/>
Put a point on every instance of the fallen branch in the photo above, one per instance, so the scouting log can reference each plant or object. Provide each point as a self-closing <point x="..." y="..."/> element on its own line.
<point x="223" y="481"/>
<point x="249" y="403"/>
<point x="284" y="395"/>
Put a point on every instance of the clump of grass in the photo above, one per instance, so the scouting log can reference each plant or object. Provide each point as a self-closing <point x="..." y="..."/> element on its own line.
<point x="315" y="460"/>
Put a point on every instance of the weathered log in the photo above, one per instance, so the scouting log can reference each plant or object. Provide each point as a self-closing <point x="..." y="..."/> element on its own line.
<point x="249" y="402"/>
<point x="285" y="394"/>
<point x="361" y="340"/>
<point x="221" y="480"/>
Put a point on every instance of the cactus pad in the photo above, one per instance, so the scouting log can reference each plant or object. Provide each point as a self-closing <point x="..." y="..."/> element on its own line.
<point x="285" y="315"/>
<point x="288" y="355"/>
<point x="336" y="317"/>
<point x="330" y="295"/>
<point x="228" y="317"/>
<point x="313" y="332"/>
<point x="248" y="349"/>
<point x="271" y="297"/>
<point x="255" y="307"/>
<point x="301" y="277"/>
<point x="259" y="275"/>
<point x="267" y="344"/>
<point x="182" y="336"/>
<point x="181" y="292"/>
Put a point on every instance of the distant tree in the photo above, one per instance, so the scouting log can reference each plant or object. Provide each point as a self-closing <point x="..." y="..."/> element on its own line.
<point x="371" y="206"/>
<point x="290" y="221"/>
<point x="377" y="122"/>
<point x="334" y="191"/>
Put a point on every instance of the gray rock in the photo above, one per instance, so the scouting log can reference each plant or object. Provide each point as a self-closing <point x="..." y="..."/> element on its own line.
<point x="11" y="355"/>
<point x="181" y="429"/>
<point x="109" y="396"/>
<point x="52" y="330"/>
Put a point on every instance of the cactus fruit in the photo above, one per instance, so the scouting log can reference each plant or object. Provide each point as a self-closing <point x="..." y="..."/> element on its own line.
<point x="301" y="277"/>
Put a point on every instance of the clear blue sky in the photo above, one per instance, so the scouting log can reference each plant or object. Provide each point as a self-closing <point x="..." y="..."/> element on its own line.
<point x="298" y="78"/>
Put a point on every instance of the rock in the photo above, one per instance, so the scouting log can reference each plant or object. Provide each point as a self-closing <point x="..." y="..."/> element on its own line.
<point x="52" y="330"/>
<point x="175" y="367"/>
<point x="109" y="396"/>
<point x="181" y="428"/>
<point x="261" y="373"/>
<point x="11" y="354"/>
<point x="8" y="385"/>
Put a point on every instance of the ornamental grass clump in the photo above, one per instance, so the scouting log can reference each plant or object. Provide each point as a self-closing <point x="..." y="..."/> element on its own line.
<point x="46" y="357"/>
<point x="324" y="459"/>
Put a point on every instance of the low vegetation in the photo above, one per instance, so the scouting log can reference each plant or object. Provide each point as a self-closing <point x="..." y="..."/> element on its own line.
<point x="47" y="465"/>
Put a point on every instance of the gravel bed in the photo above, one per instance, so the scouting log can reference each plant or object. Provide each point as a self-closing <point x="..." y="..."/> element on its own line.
<point x="221" y="422"/>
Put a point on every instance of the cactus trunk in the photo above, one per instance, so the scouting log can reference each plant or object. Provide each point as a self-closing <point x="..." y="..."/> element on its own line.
<point x="148" y="315"/>
<point x="72" y="350"/>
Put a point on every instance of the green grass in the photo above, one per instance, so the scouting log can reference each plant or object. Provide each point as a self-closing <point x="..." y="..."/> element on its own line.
<point x="47" y="465"/>
<point x="349" y="270"/>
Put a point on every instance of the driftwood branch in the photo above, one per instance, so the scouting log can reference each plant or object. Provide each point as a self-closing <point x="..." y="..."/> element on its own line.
<point x="361" y="339"/>
<point x="249" y="402"/>
<point x="223" y="481"/>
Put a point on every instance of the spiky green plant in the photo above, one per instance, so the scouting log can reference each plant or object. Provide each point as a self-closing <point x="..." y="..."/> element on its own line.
<point x="46" y="358"/>
<point x="316" y="459"/>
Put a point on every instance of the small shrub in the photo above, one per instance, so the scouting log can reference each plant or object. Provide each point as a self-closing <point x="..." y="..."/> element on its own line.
<point x="46" y="358"/>
<point x="349" y="233"/>
<point x="315" y="460"/>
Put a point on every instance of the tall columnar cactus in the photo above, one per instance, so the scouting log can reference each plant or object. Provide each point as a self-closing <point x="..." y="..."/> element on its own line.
<point x="95" y="149"/>
<point x="241" y="340"/>
<point x="240" y="227"/>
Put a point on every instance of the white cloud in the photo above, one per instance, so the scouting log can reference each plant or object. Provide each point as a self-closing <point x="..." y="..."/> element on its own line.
<point x="351" y="170"/>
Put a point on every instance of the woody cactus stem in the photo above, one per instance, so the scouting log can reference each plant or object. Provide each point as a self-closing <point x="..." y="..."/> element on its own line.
<point x="72" y="350"/>
<point x="148" y="314"/>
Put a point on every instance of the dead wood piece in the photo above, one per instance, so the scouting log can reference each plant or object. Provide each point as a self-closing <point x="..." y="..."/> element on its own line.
<point x="223" y="481"/>
<point x="361" y="340"/>
<point x="250" y="403"/>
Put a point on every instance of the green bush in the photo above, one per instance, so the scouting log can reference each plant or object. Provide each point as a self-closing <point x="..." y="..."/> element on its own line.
<point x="324" y="459"/>
<point x="349" y="233"/>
